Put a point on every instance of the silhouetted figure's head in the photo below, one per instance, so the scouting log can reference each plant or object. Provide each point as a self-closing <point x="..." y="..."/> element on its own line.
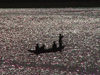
<point x="37" y="45"/>
<point x="61" y="36"/>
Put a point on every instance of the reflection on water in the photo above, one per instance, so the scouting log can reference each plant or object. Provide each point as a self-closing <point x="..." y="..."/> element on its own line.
<point x="22" y="29"/>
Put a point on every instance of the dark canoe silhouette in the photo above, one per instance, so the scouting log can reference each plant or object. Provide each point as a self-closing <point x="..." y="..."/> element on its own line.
<point x="47" y="50"/>
<point x="53" y="49"/>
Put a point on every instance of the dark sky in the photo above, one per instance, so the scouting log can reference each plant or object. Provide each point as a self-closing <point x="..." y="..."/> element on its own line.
<point x="49" y="0"/>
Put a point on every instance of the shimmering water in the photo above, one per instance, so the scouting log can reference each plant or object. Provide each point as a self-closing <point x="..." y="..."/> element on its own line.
<point x="21" y="29"/>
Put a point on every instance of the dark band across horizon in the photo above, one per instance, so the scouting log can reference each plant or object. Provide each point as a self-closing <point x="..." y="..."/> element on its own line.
<point x="48" y="4"/>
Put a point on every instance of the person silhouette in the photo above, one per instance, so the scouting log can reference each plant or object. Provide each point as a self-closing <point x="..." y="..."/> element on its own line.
<point x="54" y="46"/>
<point x="42" y="48"/>
<point x="37" y="47"/>
<point x="60" y="40"/>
